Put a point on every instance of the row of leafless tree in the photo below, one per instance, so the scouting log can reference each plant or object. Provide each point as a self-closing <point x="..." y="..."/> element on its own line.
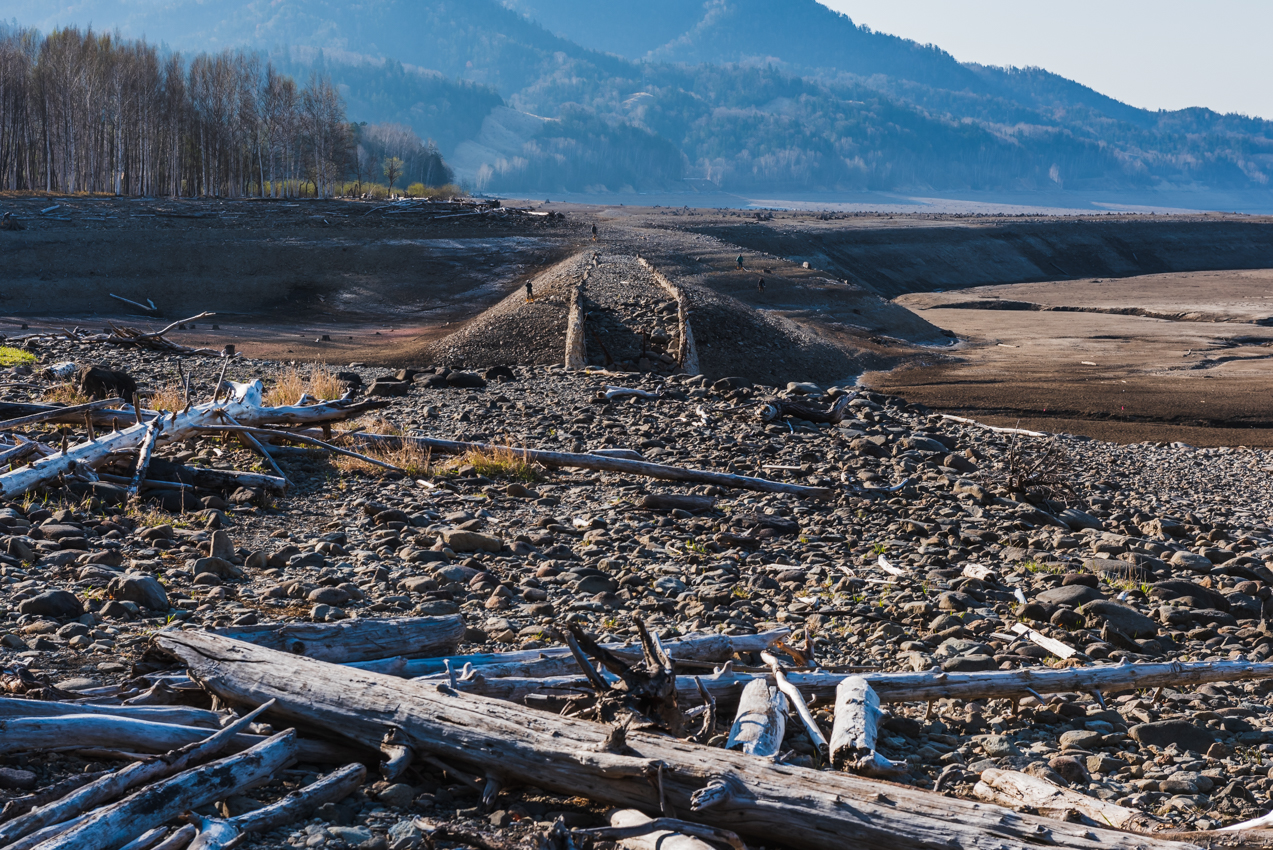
<point x="89" y="112"/>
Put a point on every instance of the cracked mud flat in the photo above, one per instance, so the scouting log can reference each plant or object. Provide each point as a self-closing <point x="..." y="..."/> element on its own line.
<point x="1174" y="357"/>
<point x="1169" y="559"/>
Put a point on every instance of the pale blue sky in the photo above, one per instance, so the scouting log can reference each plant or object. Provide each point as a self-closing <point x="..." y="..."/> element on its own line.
<point x="1156" y="54"/>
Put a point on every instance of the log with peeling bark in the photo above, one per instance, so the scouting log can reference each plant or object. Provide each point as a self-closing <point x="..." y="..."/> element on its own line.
<point x="357" y="640"/>
<point x="80" y="731"/>
<point x="110" y="826"/>
<point x="728" y="684"/>
<point x="222" y="833"/>
<point x="793" y="806"/>
<point x="111" y="785"/>
<point x="1021" y="790"/>
<point x="604" y="464"/>
<point x="244" y="405"/>
<point x="557" y="661"/>
<point x="856" y="728"/>
<point x="677" y="501"/>
<point x="761" y="721"/>
<point x="179" y="715"/>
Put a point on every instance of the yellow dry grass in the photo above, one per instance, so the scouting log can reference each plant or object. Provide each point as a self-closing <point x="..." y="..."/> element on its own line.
<point x="171" y="397"/>
<point x="499" y="462"/>
<point x="65" y="394"/>
<point x="410" y="458"/>
<point x="317" y="381"/>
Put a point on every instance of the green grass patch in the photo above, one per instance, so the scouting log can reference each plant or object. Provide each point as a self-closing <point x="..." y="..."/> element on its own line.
<point x="10" y="356"/>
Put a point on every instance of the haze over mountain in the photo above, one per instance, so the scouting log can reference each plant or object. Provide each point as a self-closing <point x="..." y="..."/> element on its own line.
<point x="751" y="95"/>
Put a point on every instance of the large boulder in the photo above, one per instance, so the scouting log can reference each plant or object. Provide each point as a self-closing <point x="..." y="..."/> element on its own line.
<point x="1179" y="588"/>
<point x="1070" y="595"/>
<point x="459" y="540"/>
<point x="1164" y="733"/>
<point x="59" y="604"/>
<point x="1127" y="620"/>
<point x="144" y="590"/>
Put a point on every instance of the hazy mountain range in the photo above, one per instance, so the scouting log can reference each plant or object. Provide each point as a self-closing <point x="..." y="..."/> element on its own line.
<point x="553" y="95"/>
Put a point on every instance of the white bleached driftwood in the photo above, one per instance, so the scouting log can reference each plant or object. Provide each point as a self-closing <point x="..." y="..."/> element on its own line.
<point x="761" y="721"/>
<point x="856" y="728"/>
<point x="154" y="805"/>
<point x="1021" y="790"/>
<point x="111" y="785"/>
<point x="357" y="640"/>
<point x="793" y="806"/>
<point x="244" y="405"/>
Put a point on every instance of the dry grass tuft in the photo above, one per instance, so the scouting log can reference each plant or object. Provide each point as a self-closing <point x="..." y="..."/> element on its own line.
<point x="415" y="461"/>
<point x="319" y="382"/>
<point x="169" y="398"/>
<point x="503" y="463"/>
<point x="65" y="394"/>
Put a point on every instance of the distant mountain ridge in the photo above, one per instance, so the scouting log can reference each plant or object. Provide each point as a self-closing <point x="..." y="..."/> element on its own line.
<point x="747" y="94"/>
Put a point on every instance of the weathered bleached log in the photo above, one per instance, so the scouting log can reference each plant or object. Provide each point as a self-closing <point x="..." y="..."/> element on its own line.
<point x="1056" y="647"/>
<point x="727" y="685"/>
<point x="613" y="393"/>
<point x="1021" y="790"/>
<point x="40" y="836"/>
<point x="644" y="469"/>
<point x="147" y="840"/>
<point x="178" y="715"/>
<point x="80" y="731"/>
<point x="219" y="833"/>
<point x="111" y="785"/>
<point x="799" y="807"/>
<point x="761" y="721"/>
<point x="76" y="412"/>
<point x="357" y="640"/>
<point x="624" y="822"/>
<point x="21" y="805"/>
<point x="856" y="728"/>
<point x="555" y="661"/>
<point x="797" y="702"/>
<point x="300" y="438"/>
<point x="156" y="804"/>
<point x="244" y="405"/>
<point x="179" y="839"/>
<point x="230" y="479"/>
<point x="1262" y="822"/>
<point x="1018" y="431"/>
<point x="144" y="453"/>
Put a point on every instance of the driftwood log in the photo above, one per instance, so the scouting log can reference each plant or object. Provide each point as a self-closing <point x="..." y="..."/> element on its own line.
<point x="244" y="404"/>
<point x="601" y="463"/>
<point x="728" y="685"/>
<point x="1021" y="790"/>
<point x="856" y="728"/>
<point x="108" y="787"/>
<point x="783" y="409"/>
<point x="179" y="715"/>
<point x="357" y="640"/>
<point x="761" y="721"/>
<point x="155" y="805"/>
<point x="752" y="796"/>
<point x="556" y="661"/>
<point x="75" y="732"/>
<point x="219" y="833"/>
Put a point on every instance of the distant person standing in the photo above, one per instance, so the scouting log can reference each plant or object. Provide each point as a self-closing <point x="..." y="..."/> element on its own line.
<point x="594" y="233"/>
<point x="530" y="291"/>
<point x="740" y="261"/>
<point x="760" y="286"/>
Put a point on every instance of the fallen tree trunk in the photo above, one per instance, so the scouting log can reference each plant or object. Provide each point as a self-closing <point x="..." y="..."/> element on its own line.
<point x="110" y="786"/>
<point x="1021" y="790"/>
<point x="604" y="464"/>
<point x="536" y="663"/>
<point x="156" y="804"/>
<point x="356" y="640"/>
<point x="792" y="806"/>
<point x="75" y="732"/>
<point x="244" y="405"/>
<point x="178" y="715"/>
<point x="856" y="728"/>
<point x="727" y="685"/>
<point x="624" y="824"/>
<point x="761" y="721"/>
<point x="217" y="833"/>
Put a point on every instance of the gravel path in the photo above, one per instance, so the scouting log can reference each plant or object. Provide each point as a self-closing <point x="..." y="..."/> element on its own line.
<point x="631" y="321"/>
